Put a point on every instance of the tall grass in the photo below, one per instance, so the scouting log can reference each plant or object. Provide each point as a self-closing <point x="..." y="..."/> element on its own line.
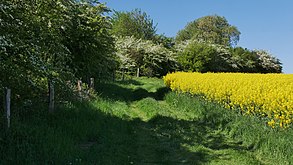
<point x="268" y="145"/>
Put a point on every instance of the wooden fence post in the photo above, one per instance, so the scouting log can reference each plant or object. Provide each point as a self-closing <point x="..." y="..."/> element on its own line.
<point x="92" y="83"/>
<point x="123" y="73"/>
<point x="79" y="87"/>
<point x="137" y="74"/>
<point x="7" y="105"/>
<point x="51" y="96"/>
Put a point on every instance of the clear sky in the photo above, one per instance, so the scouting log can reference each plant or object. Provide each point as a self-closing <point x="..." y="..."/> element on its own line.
<point x="264" y="24"/>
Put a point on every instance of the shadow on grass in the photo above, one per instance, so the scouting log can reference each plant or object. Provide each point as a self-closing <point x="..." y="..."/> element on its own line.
<point x="130" y="81"/>
<point x="161" y="140"/>
<point x="82" y="134"/>
<point x="116" y="92"/>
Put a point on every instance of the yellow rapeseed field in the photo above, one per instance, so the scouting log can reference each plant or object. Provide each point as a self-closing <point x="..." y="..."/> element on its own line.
<point x="267" y="95"/>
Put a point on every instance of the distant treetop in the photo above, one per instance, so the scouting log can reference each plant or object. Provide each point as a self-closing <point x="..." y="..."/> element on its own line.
<point x="134" y="23"/>
<point x="211" y="29"/>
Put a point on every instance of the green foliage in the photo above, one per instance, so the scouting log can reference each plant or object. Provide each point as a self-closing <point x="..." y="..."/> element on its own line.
<point x="202" y="57"/>
<point x="52" y="40"/>
<point x="205" y="45"/>
<point x="31" y="51"/>
<point x="256" y="61"/>
<point x="167" y="42"/>
<point x="243" y="60"/>
<point x="139" y="47"/>
<point x="135" y="23"/>
<point x="89" y="41"/>
<point x="211" y="29"/>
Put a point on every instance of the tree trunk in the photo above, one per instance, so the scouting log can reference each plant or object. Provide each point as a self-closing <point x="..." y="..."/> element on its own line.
<point x="51" y="96"/>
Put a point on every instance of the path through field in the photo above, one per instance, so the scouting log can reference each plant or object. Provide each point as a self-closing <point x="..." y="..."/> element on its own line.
<point x="154" y="126"/>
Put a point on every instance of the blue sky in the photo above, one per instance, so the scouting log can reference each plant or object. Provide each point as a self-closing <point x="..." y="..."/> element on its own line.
<point x="264" y="24"/>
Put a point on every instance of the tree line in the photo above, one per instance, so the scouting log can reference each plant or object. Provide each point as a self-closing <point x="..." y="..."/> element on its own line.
<point x="62" y="41"/>
<point x="207" y="44"/>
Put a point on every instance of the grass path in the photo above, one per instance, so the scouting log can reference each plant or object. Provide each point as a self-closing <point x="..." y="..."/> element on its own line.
<point x="141" y="122"/>
<point x="172" y="132"/>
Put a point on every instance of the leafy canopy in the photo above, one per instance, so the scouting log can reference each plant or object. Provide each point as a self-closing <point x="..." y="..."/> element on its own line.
<point x="203" y="57"/>
<point x="211" y="29"/>
<point x="135" y="23"/>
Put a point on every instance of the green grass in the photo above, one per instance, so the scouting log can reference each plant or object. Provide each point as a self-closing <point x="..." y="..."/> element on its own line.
<point x="139" y="121"/>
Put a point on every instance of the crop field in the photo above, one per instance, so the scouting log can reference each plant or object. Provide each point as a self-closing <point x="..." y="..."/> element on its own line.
<point x="269" y="96"/>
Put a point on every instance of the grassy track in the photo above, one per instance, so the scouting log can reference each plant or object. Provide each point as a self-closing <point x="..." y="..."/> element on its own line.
<point x="139" y="121"/>
<point x="171" y="129"/>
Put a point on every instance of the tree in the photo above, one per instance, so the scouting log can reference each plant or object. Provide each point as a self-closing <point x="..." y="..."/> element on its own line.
<point x="135" y="23"/>
<point x="167" y="42"/>
<point x="148" y="58"/>
<point x="267" y="63"/>
<point x="89" y="41"/>
<point x="32" y="52"/>
<point x="52" y="40"/>
<point x="203" y="57"/>
<point x="211" y="29"/>
<point x="256" y="61"/>
<point x="243" y="60"/>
